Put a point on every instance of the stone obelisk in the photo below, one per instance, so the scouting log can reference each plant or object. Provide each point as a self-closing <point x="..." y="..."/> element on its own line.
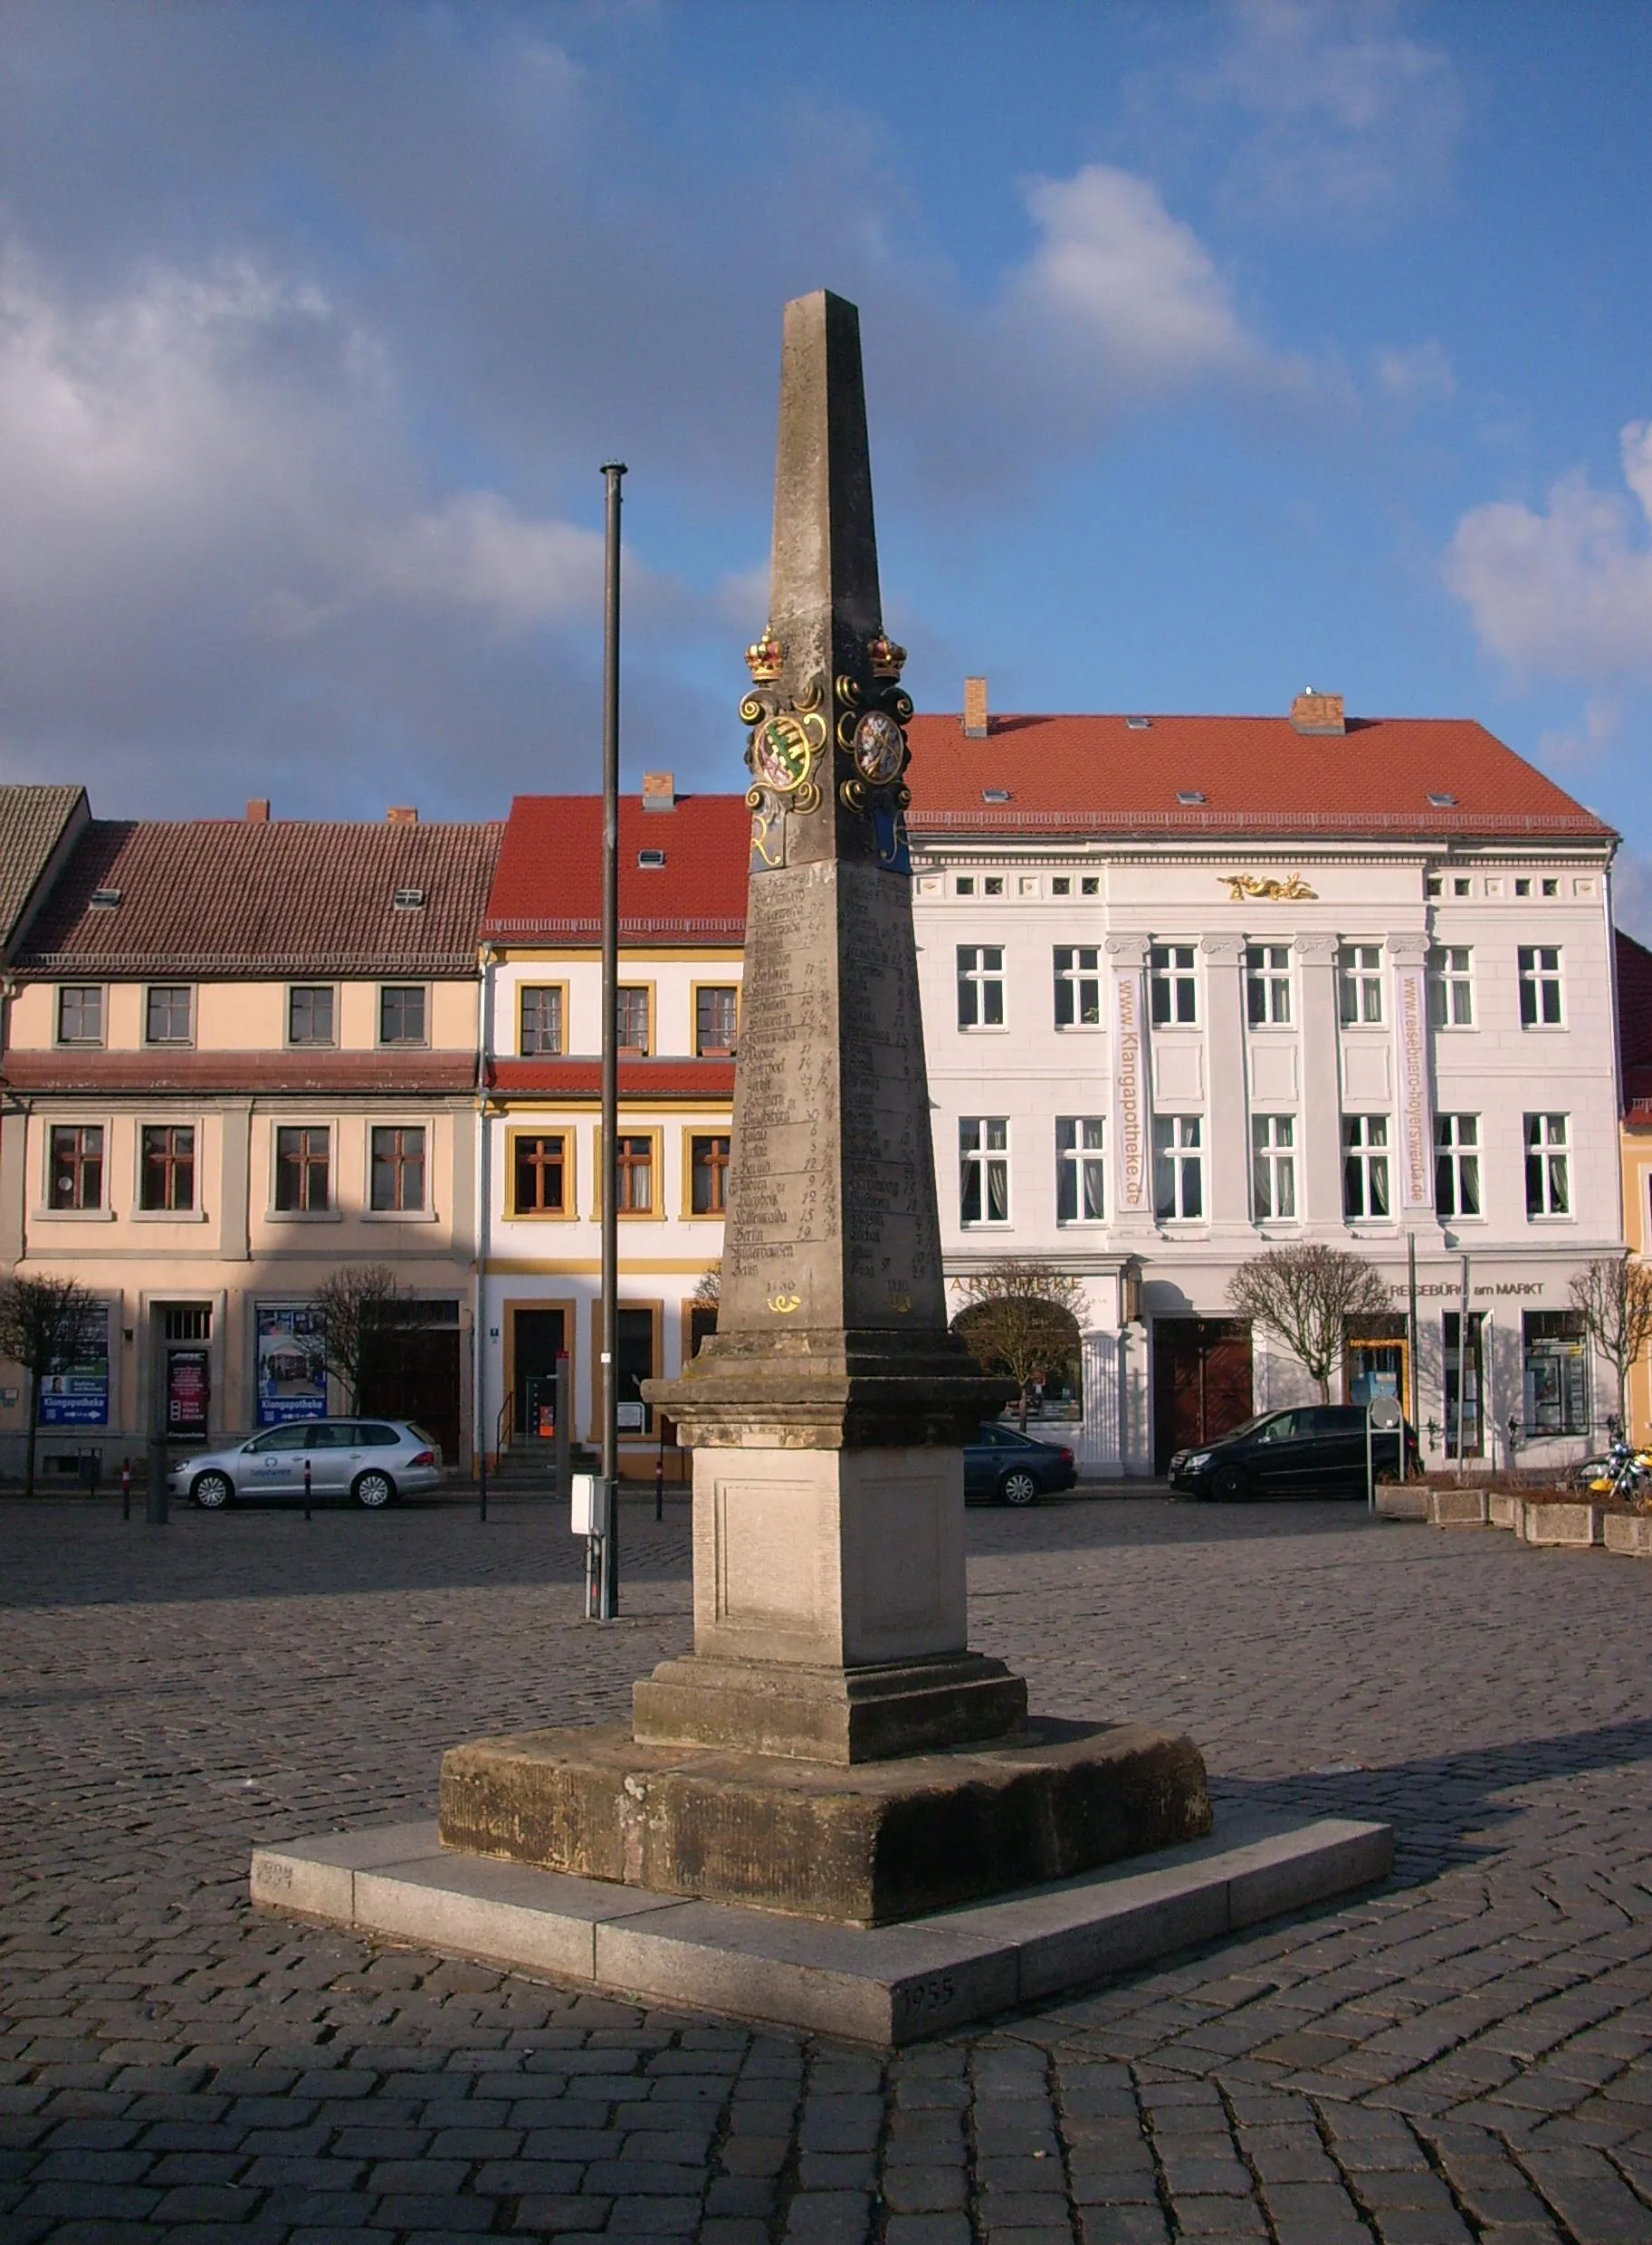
<point x="827" y="1411"/>
<point x="831" y="1747"/>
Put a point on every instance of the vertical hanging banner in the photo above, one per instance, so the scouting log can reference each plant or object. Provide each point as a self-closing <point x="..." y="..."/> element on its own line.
<point x="1411" y="1076"/>
<point x="1128" y="1092"/>
<point x="292" y="1364"/>
<point x="78" y="1396"/>
<point x="188" y="1393"/>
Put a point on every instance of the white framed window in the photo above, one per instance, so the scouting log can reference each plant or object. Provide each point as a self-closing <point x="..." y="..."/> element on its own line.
<point x="402" y="1014"/>
<point x="1081" y="1169"/>
<point x="1540" y="986"/>
<point x="312" y="1014"/>
<point x="1359" y="984"/>
<point x="1273" y="1167"/>
<point x="1267" y="985"/>
<point x="983" y="1169"/>
<point x="396" y="1179"/>
<point x="1178" y="1181"/>
<point x="74" y="1179"/>
<point x="1078" y="987"/>
<point x="1172" y="990"/>
<point x="168" y="1014"/>
<point x="303" y="1169"/>
<point x="1365" y="1166"/>
<point x="980" y="986"/>
<point x="80" y="1013"/>
<point x="1451" y="991"/>
<point x="1548" y="1165"/>
<point x="165" y="1167"/>
<point x="1456" y="1165"/>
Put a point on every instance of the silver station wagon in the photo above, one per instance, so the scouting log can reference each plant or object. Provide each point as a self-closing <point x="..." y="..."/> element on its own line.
<point x="373" y="1460"/>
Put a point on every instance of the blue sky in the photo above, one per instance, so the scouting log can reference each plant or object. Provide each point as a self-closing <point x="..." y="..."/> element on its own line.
<point x="1212" y="351"/>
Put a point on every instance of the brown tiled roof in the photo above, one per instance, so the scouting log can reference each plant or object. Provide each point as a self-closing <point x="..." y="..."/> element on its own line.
<point x="32" y="824"/>
<point x="215" y="897"/>
<point x="638" y="1079"/>
<point x="1252" y="775"/>
<point x="288" y="1071"/>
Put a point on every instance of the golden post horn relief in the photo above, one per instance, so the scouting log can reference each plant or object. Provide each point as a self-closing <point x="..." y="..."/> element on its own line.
<point x="1289" y="891"/>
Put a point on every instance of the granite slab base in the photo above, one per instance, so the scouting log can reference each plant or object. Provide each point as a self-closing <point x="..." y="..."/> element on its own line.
<point x="885" y="1986"/>
<point x="863" y="1845"/>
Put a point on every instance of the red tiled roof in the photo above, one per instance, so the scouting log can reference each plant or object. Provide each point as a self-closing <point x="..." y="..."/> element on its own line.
<point x="1635" y="1027"/>
<point x="299" y="1072"/>
<point x="549" y="879"/>
<point x="1256" y="775"/>
<point x="638" y="1079"/>
<point x="213" y="896"/>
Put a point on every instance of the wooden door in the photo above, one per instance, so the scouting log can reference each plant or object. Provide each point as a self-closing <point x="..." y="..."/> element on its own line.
<point x="1202" y="1382"/>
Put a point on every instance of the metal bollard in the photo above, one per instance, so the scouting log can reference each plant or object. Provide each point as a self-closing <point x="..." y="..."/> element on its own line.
<point x="482" y="1478"/>
<point x="659" y="1480"/>
<point x="126" y="1488"/>
<point x="305" y="1488"/>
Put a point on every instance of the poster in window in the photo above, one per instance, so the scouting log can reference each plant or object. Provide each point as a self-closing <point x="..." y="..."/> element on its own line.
<point x="188" y="1388"/>
<point x="292" y="1364"/>
<point x="78" y="1396"/>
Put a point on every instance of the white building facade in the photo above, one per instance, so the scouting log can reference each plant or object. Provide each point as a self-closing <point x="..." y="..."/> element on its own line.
<point x="1169" y="1025"/>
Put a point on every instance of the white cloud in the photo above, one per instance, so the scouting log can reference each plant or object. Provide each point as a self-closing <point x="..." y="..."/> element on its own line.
<point x="1137" y="285"/>
<point x="1565" y="593"/>
<point x="217" y="540"/>
<point x="1586" y="742"/>
<point x="1352" y="119"/>
<point x="1417" y="374"/>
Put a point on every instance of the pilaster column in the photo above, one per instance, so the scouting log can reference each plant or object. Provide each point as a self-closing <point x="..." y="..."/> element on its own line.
<point x="1321" y="1090"/>
<point x="1130" y="1125"/>
<point x="236" y="1181"/>
<point x="1413" y="1109"/>
<point x="1226" y="1106"/>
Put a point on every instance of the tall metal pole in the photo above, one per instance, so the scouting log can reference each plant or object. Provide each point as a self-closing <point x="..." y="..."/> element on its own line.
<point x="607" y="1605"/>
<point x="1411" y="1342"/>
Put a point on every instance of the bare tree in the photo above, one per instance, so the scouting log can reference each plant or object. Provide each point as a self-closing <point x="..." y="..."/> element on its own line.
<point x="1021" y="1316"/>
<point x="1305" y="1296"/>
<point x="43" y="1325"/>
<point x="1613" y="1296"/>
<point x="708" y="1294"/>
<point x="355" y="1312"/>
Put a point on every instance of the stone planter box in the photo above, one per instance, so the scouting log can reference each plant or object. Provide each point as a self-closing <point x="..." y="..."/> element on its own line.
<point x="1629" y="1532"/>
<point x="1397" y="1502"/>
<point x="1459" y="1508"/>
<point x="1504" y="1508"/>
<point x="1560" y="1524"/>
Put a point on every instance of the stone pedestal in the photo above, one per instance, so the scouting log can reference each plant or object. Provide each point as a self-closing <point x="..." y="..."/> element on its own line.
<point x="829" y="1611"/>
<point x="865" y="1845"/>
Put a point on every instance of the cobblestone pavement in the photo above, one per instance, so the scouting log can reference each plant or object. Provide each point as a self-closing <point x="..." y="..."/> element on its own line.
<point x="1463" y="2055"/>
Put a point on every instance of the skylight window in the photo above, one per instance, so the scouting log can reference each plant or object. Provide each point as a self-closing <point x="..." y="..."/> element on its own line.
<point x="1189" y="795"/>
<point x="106" y="900"/>
<point x="1138" y="724"/>
<point x="651" y="861"/>
<point x="995" y="794"/>
<point x="408" y="899"/>
<point x="1440" y="799"/>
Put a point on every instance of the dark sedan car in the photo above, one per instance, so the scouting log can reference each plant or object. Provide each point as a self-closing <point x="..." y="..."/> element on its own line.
<point x="1316" y="1450"/>
<point x="1014" y="1469"/>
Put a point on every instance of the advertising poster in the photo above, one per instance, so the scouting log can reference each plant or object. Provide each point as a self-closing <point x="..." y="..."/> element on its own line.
<point x="291" y="1373"/>
<point x="188" y="1388"/>
<point x="78" y="1396"/>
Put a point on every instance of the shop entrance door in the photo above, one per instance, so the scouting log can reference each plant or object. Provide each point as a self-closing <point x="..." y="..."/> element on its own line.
<point x="1202" y="1382"/>
<point x="538" y="1337"/>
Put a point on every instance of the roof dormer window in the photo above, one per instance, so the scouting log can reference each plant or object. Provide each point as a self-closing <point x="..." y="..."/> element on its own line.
<point x="1138" y="724"/>
<point x="409" y="899"/>
<point x="1189" y="795"/>
<point x="1440" y="800"/>
<point x="105" y="899"/>
<point x="650" y="861"/>
<point x="995" y="794"/>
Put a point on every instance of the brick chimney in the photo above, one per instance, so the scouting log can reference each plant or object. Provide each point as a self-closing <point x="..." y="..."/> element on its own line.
<point x="1317" y="712"/>
<point x="975" y="709"/>
<point x="659" y="791"/>
<point x="258" y="810"/>
<point x="402" y="814"/>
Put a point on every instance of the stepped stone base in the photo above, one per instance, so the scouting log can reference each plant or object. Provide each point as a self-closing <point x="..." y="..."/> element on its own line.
<point x="840" y="1715"/>
<point x="867" y="1845"/>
